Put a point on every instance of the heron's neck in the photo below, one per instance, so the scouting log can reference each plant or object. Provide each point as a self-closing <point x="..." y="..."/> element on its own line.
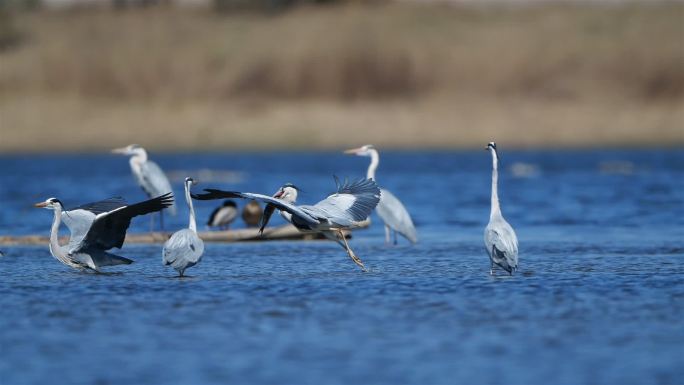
<point x="193" y="224"/>
<point x="375" y="160"/>
<point x="139" y="157"/>
<point x="55" y="248"/>
<point x="496" y="210"/>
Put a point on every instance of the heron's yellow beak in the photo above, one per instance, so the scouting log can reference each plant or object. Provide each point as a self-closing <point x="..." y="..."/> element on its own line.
<point x="352" y="151"/>
<point x="40" y="205"/>
<point x="121" y="150"/>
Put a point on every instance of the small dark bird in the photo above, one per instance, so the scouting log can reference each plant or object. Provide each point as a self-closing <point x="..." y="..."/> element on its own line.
<point x="251" y="214"/>
<point x="223" y="216"/>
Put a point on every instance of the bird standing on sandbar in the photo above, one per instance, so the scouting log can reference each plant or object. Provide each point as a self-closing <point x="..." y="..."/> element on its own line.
<point x="224" y="215"/>
<point x="499" y="237"/>
<point x="184" y="249"/>
<point x="95" y="228"/>
<point x="149" y="176"/>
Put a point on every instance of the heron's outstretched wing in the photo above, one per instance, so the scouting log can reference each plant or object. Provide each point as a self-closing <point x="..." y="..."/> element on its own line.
<point x="279" y="204"/>
<point x="154" y="181"/>
<point x="353" y="201"/>
<point x="109" y="229"/>
<point x="102" y="206"/>
<point x="394" y="214"/>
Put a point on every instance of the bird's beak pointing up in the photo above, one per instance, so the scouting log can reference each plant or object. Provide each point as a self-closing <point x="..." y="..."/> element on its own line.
<point x="40" y="205"/>
<point x="352" y="151"/>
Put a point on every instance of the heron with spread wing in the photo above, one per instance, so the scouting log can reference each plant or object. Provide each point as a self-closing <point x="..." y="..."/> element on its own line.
<point x="148" y="175"/>
<point x="95" y="228"/>
<point x="499" y="237"/>
<point x="390" y="209"/>
<point x="344" y="209"/>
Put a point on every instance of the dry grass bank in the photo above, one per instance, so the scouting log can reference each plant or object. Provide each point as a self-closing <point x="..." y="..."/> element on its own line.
<point x="395" y="75"/>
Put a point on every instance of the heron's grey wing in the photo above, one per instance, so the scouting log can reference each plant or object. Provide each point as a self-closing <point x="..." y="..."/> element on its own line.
<point x="183" y="249"/>
<point x="502" y="244"/>
<point x="353" y="201"/>
<point x="81" y="218"/>
<point x="155" y="182"/>
<point x="109" y="229"/>
<point x="212" y="194"/>
<point x="394" y="214"/>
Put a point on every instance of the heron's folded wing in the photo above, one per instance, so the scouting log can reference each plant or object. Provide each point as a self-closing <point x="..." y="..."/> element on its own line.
<point x="504" y="241"/>
<point x="109" y="229"/>
<point x="394" y="214"/>
<point x="279" y="204"/>
<point x="353" y="201"/>
<point x="183" y="245"/>
<point x="155" y="181"/>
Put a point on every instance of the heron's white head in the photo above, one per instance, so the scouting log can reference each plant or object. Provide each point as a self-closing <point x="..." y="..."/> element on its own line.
<point x="190" y="182"/>
<point x="288" y="193"/>
<point x="366" y="150"/>
<point x="132" y="149"/>
<point x="50" y="204"/>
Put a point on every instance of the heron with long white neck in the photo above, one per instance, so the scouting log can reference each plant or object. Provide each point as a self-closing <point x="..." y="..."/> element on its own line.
<point x="148" y="175"/>
<point x="390" y="209"/>
<point x="499" y="237"/>
<point x="185" y="248"/>
<point x="95" y="228"/>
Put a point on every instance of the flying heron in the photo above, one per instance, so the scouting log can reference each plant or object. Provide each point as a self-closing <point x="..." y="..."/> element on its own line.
<point x="344" y="209"/>
<point x="499" y="237"/>
<point x="95" y="228"/>
<point x="148" y="175"/>
<point x="390" y="209"/>
<point x="184" y="249"/>
<point x="223" y="215"/>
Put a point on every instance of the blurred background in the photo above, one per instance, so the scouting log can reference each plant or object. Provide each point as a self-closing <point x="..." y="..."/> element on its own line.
<point x="190" y="75"/>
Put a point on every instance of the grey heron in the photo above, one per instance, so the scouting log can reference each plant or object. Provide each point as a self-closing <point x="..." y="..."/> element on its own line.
<point x="252" y="213"/>
<point x="184" y="249"/>
<point x="499" y="237"/>
<point x="390" y="209"/>
<point x="95" y="228"/>
<point x="148" y="175"/>
<point x="223" y="215"/>
<point x="344" y="209"/>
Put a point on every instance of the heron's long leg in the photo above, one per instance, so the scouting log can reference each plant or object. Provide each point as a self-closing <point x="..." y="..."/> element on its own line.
<point x="161" y="220"/>
<point x="491" y="267"/>
<point x="331" y="236"/>
<point x="394" y="232"/>
<point x="387" y="235"/>
<point x="351" y="253"/>
<point x="151" y="223"/>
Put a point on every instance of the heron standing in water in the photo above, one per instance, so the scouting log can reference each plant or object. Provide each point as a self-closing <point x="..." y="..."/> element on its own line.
<point x="148" y="175"/>
<point x="95" y="228"/>
<point x="184" y="249"/>
<point x="390" y="209"/>
<point x="499" y="237"/>
<point x="345" y="209"/>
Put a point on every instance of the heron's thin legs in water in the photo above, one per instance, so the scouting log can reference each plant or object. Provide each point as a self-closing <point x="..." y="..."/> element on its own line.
<point x="387" y="235"/>
<point x="491" y="267"/>
<point x="161" y="221"/>
<point x="395" y="237"/>
<point x="350" y="252"/>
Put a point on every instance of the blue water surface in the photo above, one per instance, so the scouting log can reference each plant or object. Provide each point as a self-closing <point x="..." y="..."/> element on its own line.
<point x="599" y="298"/>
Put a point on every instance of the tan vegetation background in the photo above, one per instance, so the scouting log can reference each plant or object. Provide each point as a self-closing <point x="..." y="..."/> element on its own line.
<point x="395" y="74"/>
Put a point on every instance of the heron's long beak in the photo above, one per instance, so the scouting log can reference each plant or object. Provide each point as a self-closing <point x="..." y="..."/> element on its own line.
<point x="352" y="151"/>
<point x="40" y="205"/>
<point x="278" y="194"/>
<point x="121" y="150"/>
